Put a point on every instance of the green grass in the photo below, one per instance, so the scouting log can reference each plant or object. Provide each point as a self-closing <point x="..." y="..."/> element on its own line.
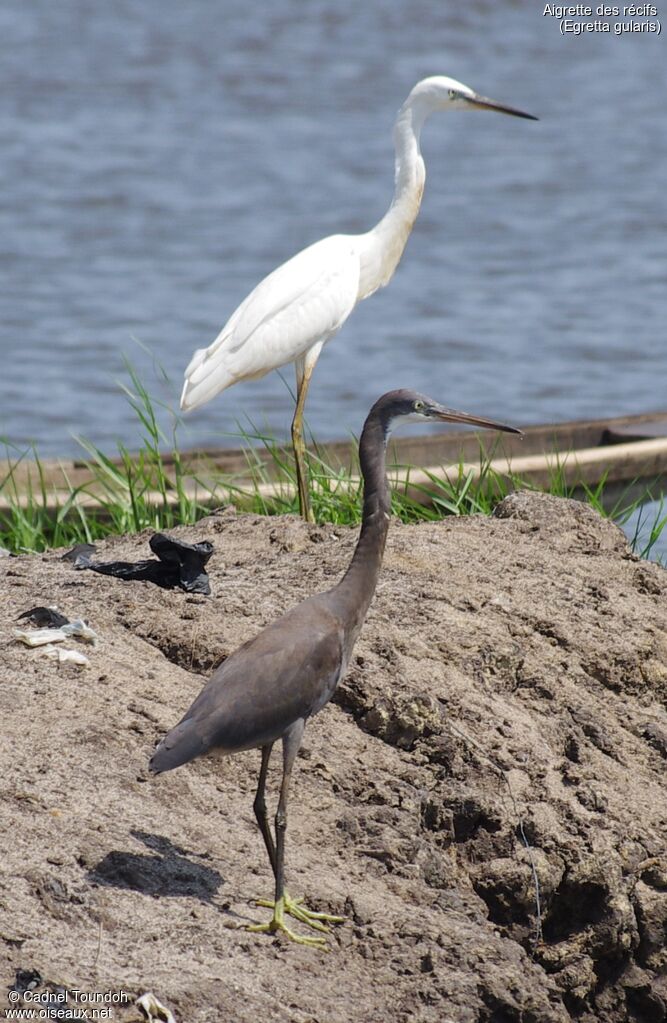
<point x="150" y="489"/>
<point x="134" y="491"/>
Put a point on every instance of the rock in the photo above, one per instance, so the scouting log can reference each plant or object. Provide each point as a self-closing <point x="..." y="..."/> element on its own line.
<point x="402" y="722"/>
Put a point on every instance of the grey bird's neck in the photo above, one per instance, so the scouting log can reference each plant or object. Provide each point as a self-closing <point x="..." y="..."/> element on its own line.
<point x="353" y="594"/>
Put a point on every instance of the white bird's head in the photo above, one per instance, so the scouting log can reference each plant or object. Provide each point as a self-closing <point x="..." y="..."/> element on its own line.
<point x="442" y="93"/>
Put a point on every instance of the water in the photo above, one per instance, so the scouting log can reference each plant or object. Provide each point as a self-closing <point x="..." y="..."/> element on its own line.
<point x="640" y="528"/>
<point x="160" y="158"/>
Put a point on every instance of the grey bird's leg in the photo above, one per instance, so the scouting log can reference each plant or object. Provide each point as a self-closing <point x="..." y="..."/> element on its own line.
<point x="283" y="903"/>
<point x="259" y="806"/>
<point x="291" y="742"/>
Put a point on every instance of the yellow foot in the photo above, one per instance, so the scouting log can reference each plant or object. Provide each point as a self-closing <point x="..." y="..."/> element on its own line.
<point x="295" y="909"/>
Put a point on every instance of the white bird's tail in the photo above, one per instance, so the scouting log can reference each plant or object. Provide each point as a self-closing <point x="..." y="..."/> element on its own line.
<point x="207" y="375"/>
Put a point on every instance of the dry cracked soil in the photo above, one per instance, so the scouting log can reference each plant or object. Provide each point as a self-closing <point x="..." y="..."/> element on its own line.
<point x="501" y="732"/>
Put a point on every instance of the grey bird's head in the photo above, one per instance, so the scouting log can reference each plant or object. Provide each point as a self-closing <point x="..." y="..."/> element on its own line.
<point x="396" y="407"/>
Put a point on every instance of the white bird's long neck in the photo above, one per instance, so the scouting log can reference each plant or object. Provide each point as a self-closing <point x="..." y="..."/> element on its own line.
<point x="384" y="245"/>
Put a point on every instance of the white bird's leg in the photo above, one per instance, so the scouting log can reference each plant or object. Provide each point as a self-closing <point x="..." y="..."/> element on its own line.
<point x="304" y="370"/>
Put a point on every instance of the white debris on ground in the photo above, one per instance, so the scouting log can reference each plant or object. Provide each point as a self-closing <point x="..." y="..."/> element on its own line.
<point x="63" y="655"/>
<point x="39" y="637"/>
<point x="81" y="630"/>
<point x="44" y="640"/>
<point x="153" y="1010"/>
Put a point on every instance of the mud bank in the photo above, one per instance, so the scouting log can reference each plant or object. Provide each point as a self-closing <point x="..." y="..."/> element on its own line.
<point x="532" y="643"/>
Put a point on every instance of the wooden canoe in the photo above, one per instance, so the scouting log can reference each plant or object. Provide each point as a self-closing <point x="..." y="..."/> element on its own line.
<point x="629" y="453"/>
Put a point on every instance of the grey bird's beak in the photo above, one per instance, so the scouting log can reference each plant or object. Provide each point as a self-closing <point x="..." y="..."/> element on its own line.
<point x="484" y="103"/>
<point x="452" y="415"/>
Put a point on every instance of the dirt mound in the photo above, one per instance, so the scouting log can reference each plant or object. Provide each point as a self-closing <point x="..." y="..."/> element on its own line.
<point x="502" y="722"/>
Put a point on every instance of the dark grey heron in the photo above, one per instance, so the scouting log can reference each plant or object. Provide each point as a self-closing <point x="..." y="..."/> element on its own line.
<point x="268" y="688"/>
<point x="291" y="314"/>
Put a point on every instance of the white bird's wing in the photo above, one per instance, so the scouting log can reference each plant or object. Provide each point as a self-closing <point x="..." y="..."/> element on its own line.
<point x="301" y="303"/>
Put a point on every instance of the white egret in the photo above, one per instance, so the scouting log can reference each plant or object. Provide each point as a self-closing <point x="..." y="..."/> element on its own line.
<point x="294" y="311"/>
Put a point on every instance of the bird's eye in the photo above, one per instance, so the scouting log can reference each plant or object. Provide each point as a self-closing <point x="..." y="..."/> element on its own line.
<point x="419" y="406"/>
<point x="453" y="93"/>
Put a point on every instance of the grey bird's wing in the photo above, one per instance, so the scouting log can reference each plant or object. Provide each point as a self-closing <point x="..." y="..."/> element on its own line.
<point x="289" y="671"/>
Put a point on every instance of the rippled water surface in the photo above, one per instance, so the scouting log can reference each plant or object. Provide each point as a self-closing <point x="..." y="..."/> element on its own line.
<point x="159" y="159"/>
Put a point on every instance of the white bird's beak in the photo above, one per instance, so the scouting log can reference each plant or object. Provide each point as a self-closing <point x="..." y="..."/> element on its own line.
<point x="484" y="103"/>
